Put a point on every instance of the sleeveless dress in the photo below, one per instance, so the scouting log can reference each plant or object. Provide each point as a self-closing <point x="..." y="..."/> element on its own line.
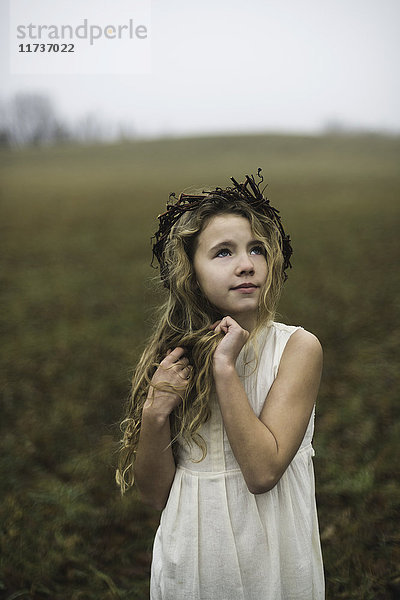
<point x="216" y="540"/>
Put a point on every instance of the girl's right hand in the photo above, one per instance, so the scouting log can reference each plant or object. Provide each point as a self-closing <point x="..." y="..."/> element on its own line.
<point x="174" y="372"/>
<point x="231" y="344"/>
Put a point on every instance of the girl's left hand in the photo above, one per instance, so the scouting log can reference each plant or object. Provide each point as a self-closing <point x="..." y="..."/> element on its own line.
<point x="231" y="344"/>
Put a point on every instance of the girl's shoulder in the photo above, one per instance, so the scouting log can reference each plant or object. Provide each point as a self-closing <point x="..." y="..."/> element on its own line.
<point x="282" y="328"/>
<point x="280" y="333"/>
<point x="287" y="330"/>
<point x="304" y="341"/>
<point x="272" y="340"/>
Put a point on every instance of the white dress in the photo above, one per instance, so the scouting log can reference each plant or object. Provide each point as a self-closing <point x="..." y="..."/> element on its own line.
<point x="216" y="540"/>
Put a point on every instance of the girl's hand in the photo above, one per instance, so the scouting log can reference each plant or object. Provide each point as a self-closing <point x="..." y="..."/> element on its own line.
<point x="231" y="344"/>
<point x="173" y="372"/>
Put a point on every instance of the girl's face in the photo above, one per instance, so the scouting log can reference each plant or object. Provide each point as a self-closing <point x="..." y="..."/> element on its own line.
<point x="230" y="267"/>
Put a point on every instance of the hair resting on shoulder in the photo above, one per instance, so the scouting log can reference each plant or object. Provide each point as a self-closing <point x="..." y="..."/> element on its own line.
<point x="184" y="320"/>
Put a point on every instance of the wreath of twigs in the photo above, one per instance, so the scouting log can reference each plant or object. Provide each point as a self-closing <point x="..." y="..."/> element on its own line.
<point x="249" y="191"/>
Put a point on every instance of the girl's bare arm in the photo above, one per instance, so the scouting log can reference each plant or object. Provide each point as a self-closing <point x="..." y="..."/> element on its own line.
<point x="154" y="467"/>
<point x="265" y="445"/>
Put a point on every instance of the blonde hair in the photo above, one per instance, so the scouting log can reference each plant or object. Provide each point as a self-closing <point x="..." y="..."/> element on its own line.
<point x="184" y="320"/>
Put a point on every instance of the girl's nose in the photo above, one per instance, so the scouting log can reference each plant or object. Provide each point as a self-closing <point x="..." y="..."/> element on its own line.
<point x="245" y="265"/>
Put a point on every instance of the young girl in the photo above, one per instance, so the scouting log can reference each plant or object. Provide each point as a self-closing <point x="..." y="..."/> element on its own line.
<point x="219" y="426"/>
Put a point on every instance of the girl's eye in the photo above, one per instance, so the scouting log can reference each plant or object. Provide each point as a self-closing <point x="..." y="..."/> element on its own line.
<point x="223" y="252"/>
<point x="257" y="250"/>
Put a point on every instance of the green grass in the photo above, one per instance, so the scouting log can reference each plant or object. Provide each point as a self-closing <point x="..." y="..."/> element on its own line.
<point x="77" y="303"/>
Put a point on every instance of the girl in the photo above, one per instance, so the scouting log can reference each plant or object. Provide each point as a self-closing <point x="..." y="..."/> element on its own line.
<point x="219" y="426"/>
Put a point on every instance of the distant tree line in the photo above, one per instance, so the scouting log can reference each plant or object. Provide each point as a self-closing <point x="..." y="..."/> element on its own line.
<point x="29" y="119"/>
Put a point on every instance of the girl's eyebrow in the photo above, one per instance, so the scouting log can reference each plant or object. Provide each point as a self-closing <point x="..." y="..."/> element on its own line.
<point x="230" y="244"/>
<point x="222" y="245"/>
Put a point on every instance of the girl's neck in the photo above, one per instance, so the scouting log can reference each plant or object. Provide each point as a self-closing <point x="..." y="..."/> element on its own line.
<point x="246" y="321"/>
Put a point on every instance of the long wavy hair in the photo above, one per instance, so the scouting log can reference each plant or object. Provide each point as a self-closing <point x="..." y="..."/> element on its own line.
<point x="184" y="320"/>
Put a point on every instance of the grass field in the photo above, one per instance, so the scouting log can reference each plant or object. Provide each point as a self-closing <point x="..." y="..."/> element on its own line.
<point x="77" y="301"/>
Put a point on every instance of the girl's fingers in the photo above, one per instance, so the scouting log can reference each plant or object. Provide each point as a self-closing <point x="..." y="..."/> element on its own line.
<point x="183" y="362"/>
<point x="223" y="324"/>
<point x="174" y="355"/>
<point x="186" y="372"/>
<point x="178" y="352"/>
<point x="183" y="368"/>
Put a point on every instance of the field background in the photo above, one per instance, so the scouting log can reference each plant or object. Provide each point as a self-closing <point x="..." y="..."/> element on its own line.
<point x="77" y="297"/>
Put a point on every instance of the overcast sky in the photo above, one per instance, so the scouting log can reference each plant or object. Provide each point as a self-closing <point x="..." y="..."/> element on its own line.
<point x="219" y="65"/>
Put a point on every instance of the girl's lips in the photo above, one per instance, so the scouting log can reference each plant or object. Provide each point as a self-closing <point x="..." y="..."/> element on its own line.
<point x="245" y="288"/>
